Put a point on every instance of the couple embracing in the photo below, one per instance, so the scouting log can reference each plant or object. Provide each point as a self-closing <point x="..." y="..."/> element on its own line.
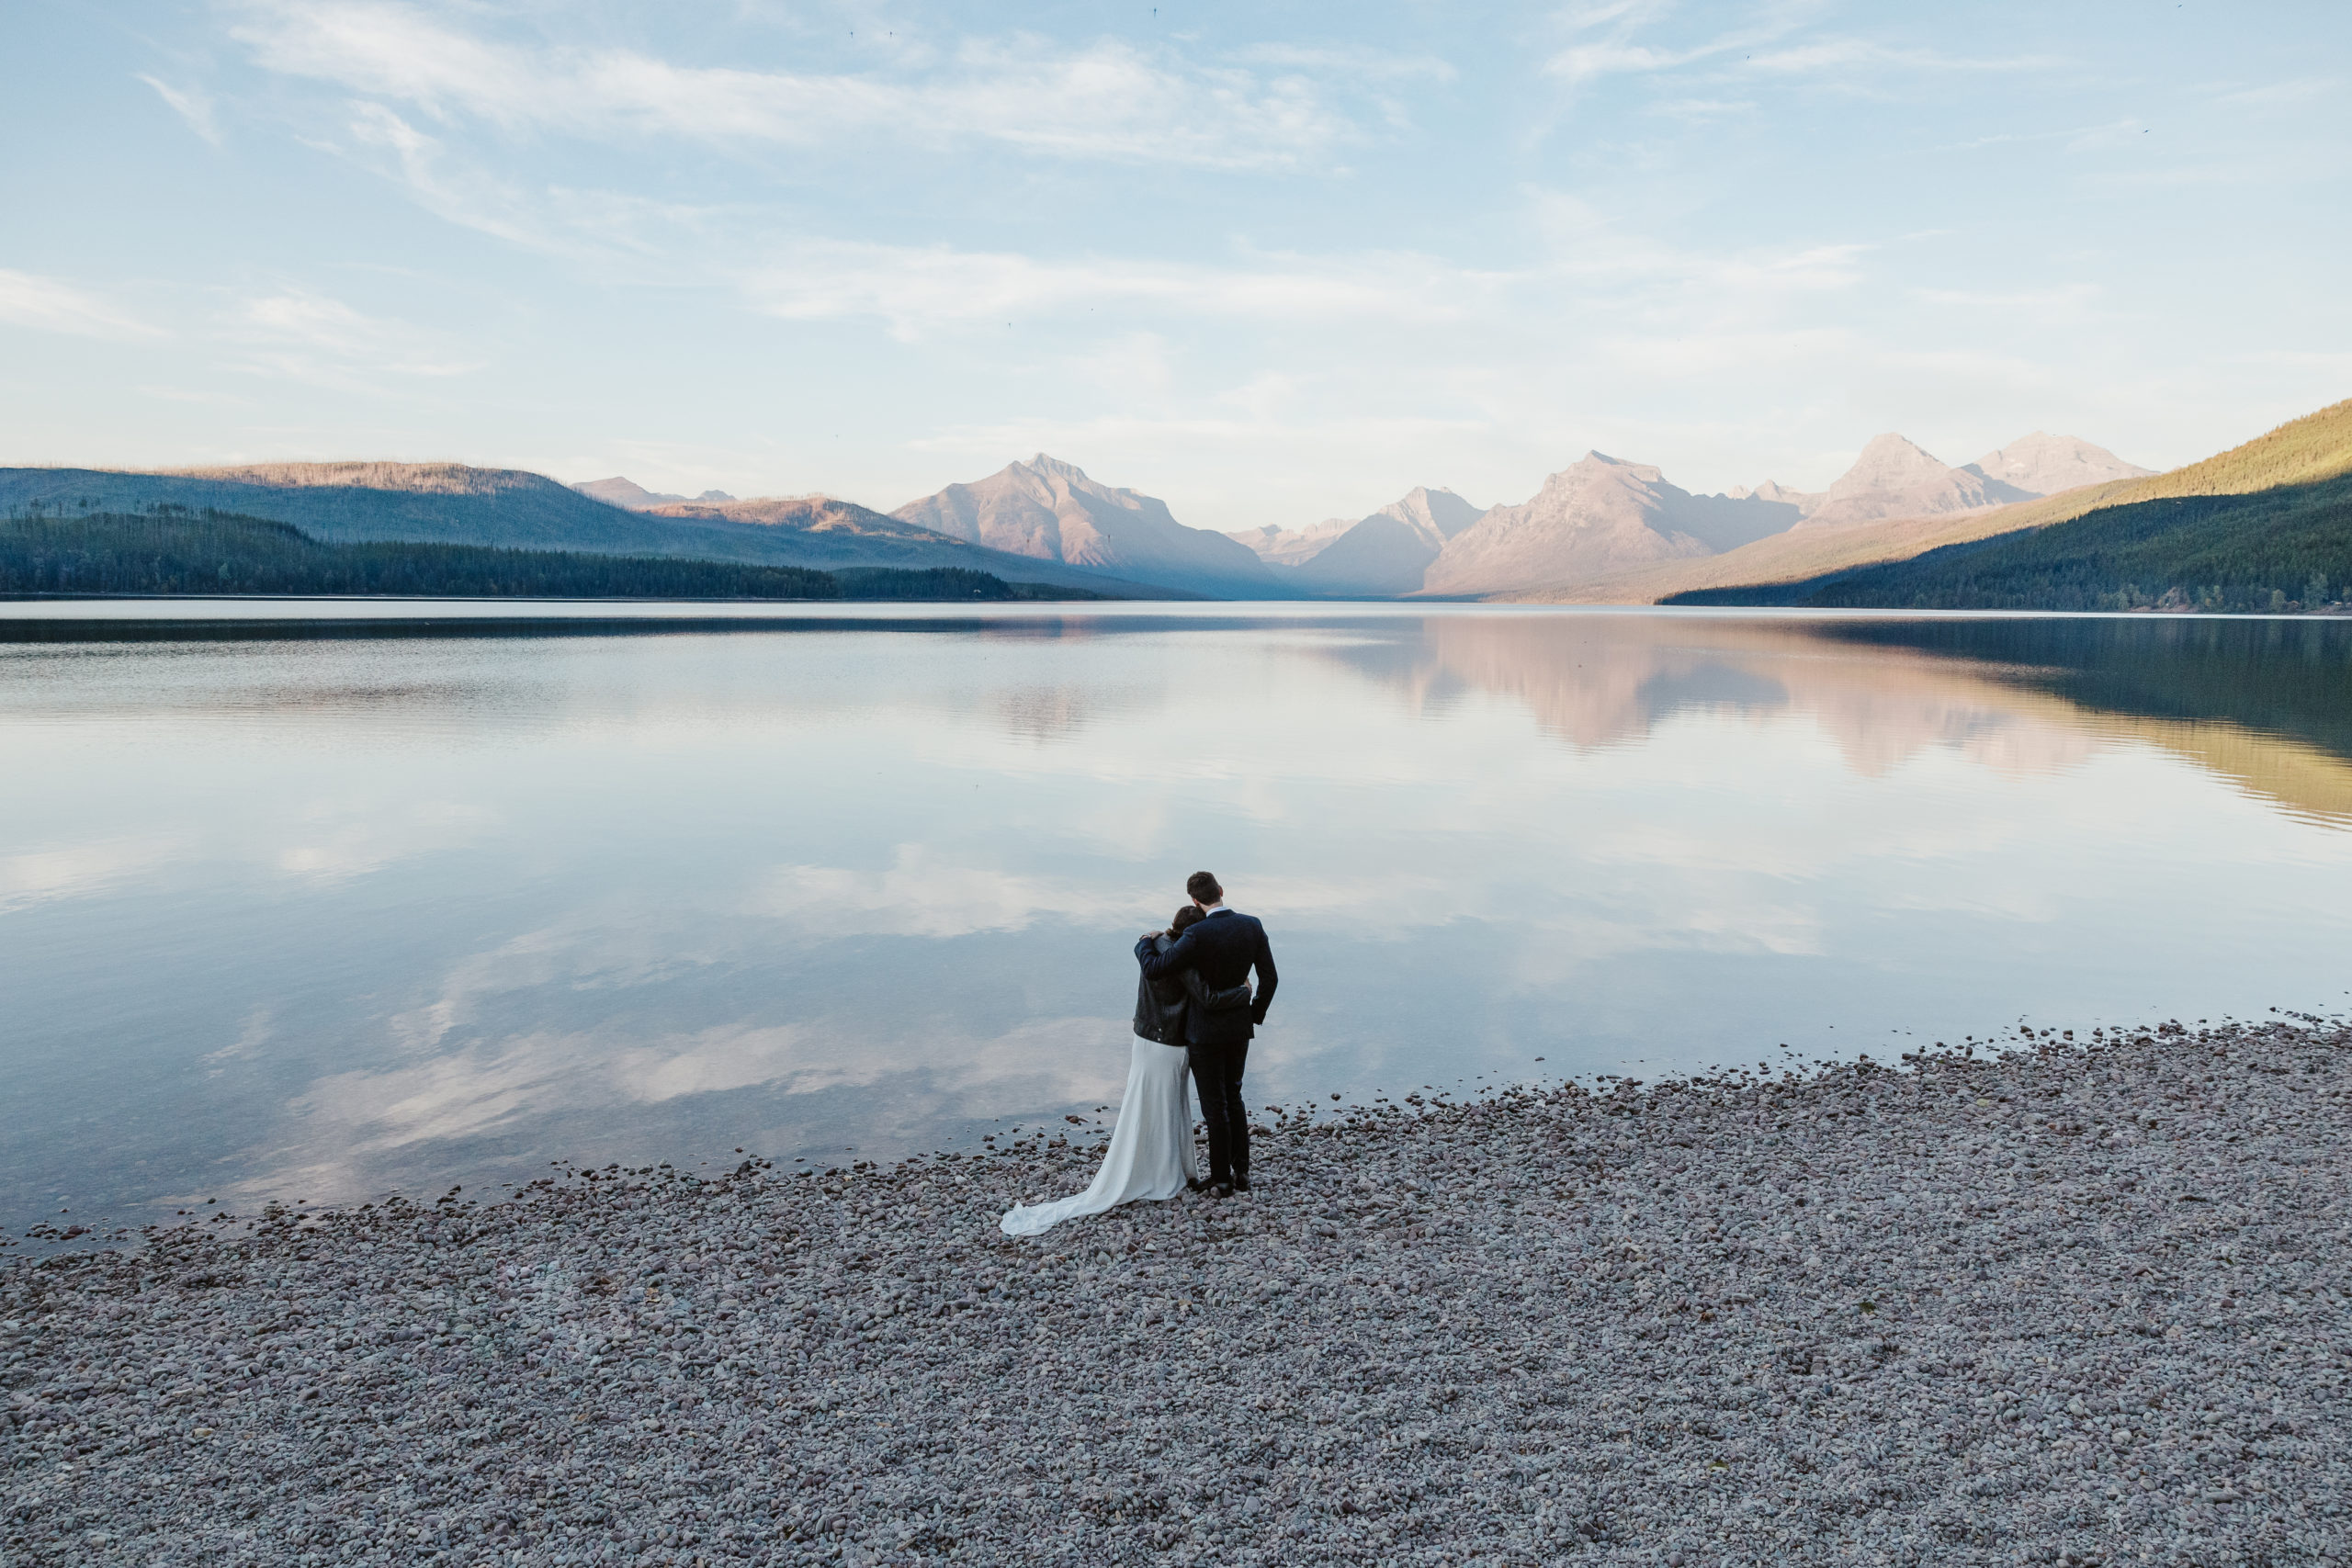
<point x="1195" y="1013"/>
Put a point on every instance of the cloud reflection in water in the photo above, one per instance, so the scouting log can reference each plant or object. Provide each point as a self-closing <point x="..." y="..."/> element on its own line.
<point x="428" y="911"/>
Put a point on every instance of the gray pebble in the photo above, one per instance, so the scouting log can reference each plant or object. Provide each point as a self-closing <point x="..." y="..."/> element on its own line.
<point x="2074" y="1304"/>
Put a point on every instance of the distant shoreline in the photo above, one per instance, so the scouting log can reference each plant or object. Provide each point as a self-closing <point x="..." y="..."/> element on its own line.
<point x="360" y="616"/>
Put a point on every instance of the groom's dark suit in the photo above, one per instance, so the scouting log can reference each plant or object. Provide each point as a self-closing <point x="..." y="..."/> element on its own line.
<point x="1222" y="948"/>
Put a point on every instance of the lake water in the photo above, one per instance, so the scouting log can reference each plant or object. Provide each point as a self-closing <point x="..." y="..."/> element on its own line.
<point x="322" y="917"/>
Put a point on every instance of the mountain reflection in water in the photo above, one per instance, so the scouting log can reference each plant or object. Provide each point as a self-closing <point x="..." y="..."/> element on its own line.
<point x="315" y="918"/>
<point x="2265" y="703"/>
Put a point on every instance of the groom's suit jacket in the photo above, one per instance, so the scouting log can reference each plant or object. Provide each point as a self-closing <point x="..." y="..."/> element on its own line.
<point x="1223" y="949"/>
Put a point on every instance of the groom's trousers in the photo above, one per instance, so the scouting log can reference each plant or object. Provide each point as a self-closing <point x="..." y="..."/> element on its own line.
<point x="1216" y="1073"/>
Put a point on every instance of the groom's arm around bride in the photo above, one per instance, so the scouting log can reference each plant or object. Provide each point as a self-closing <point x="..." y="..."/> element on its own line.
<point x="1222" y="948"/>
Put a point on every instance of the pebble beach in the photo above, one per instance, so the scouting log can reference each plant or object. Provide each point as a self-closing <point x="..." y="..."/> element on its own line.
<point x="2071" y="1300"/>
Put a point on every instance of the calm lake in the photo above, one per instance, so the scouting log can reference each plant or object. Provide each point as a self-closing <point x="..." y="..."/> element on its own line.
<point x="315" y="917"/>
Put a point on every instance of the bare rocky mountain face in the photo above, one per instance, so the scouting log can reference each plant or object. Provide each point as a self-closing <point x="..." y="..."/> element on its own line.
<point x="1048" y="510"/>
<point x="828" y="533"/>
<point x="1389" y="552"/>
<point x="2042" y="464"/>
<point x="1599" y="515"/>
<point x="1894" y="478"/>
<point x="1285" y="547"/>
<point x="619" y="491"/>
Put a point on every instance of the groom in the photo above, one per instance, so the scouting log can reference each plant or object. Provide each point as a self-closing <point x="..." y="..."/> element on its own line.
<point x="1223" y="947"/>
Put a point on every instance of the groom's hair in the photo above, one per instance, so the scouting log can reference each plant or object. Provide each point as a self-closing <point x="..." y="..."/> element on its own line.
<point x="1203" y="887"/>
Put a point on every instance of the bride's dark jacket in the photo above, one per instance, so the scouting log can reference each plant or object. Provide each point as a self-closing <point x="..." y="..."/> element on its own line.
<point x="1221" y="946"/>
<point x="1161" y="1004"/>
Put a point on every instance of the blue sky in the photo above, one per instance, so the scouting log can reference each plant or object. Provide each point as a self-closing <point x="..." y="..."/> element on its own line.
<point x="1273" y="263"/>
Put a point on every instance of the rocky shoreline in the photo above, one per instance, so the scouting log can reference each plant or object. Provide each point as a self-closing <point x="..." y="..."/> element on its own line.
<point x="2076" y="1302"/>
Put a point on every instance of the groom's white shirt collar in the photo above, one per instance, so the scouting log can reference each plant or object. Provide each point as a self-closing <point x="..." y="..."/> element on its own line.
<point x="1217" y="908"/>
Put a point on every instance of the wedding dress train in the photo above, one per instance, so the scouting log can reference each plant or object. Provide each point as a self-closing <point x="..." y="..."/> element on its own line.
<point x="1150" y="1154"/>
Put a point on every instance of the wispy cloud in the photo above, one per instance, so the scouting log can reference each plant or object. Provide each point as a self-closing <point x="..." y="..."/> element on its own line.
<point x="441" y="73"/>
<point x="1703" y="110"/>
<point x="49" y="304"/>
<point x="1365" y="64"/>
<point x="2076" y="137"/>
<point x="1583" y="62"/>
<point x="915" y="290"/>
<point x="2053" y="305"/>
<point x="190" y="105"/>
<point x="452" y="190"/>
<point x="1617" y="52"/>
<point x="1106" y="100"/>
<point x="2300" y="90"/>
<point x="1854" y="53"/>
<point x="1610" y="13"/>
<point x="2068" y="296"/>
<point x="1586" y="242"/>
<point x="309" y="336"/>
<point x="616" y="230"/>
<point x="1255" y="418"/>
<point x="206" y="397"/>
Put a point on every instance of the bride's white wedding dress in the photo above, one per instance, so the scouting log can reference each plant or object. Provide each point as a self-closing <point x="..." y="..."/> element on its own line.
<point x="1150" y="1154"/>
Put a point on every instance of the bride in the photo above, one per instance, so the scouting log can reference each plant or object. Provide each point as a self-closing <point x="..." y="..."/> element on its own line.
<point x="1151" y="1149"/>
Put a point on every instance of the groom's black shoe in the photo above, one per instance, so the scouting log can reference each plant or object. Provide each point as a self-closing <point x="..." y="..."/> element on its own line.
<point x="1195" y="1184"/>
<point x="1240" y="1182"/>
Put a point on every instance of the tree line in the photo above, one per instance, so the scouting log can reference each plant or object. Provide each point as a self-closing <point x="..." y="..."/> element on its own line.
<point x="174" y="551"/>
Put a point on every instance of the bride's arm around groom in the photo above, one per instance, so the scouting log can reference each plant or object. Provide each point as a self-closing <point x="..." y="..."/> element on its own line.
<point x="1222" y="948"/>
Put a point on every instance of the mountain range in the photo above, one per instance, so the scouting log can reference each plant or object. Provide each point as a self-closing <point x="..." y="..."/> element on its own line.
<point x="1603" y="527"/>
<point x="1378" y="556"/>
<point x="1602" y="519"/>
<point x="829" y="534"/>
<point x="450" y="504"/>
<point x="1597" y="515"/>
<point x="1048" y="510"/>
<point x="618" y="491"/>
<point x="2264" y="527"/>
<point x="1894" y="478"/>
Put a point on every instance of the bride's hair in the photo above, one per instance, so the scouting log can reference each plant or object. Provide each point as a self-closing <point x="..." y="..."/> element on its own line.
<point x="1186" y="916"/>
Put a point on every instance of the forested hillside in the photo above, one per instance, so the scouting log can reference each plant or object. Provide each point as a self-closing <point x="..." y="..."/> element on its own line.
<point x="449" y="503"/>
<point x="173" y="552"/>
<point x="418" y="502"/>
<point x="2266" y="527"/>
